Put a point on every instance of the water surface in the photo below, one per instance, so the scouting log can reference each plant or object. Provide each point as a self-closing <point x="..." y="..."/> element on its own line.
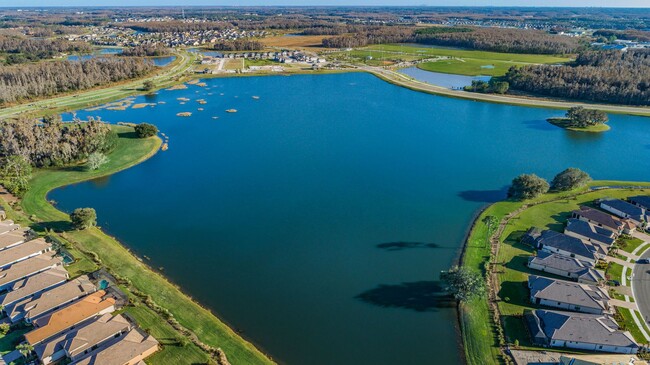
<point x="317" y="218"/>
<point x="450" y="81"/>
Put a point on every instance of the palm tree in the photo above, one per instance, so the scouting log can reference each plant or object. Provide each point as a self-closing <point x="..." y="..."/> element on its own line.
<point x="25" y="349"/>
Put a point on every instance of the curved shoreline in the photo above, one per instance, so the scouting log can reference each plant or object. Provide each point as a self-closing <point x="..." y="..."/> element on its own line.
<point x="235" y="338"/>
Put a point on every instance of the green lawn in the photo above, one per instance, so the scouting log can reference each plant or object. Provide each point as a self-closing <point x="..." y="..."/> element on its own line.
<point x="549" y="211"/>
<point x="628" y="324"/>
<point x="119" y="261"/>
<point x="615" y="272"/>
<point x="469" y="67"/>
<point x="628" y="243"/>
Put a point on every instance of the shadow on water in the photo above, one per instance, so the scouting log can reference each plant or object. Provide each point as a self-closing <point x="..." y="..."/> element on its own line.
<point x="419" y="296"/>
<point x="398" y="246"/>
<point x="484" y="196"/>
<point x="540" y="125"/>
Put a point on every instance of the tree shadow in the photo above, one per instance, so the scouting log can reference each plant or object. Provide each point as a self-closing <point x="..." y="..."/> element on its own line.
<point x="560" y="221"/>
<point x="56" y="226"/>
<point x="515" y="292"/>
<point x="540" y="125"/>
<point x="419" y="296"/>
<point x="519" y="263"/>
<point x="484" y="196"/>
<point x="401" y="245"/>
<point x="129" y="135"/>
<point x="514" y="240"/>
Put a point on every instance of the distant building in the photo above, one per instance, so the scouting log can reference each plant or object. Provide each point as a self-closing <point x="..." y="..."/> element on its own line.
<point x="579" y="331"/>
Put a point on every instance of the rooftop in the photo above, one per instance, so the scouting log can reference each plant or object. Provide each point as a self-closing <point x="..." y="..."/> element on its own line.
<point x="567" y="243"/>
<point x="22" y="251"/>
<point x="590" y="231"/>
<point x="28" y="267"/>
<point x="127" y="348"/>
<point x="567" y="264"/>
<point x="85" y="336"/>
<point x="601" y="217"/>
<point x="67" y="317"/>
<point x="26" y="287"/>
<point x="583" y="295"/>
<point x="642" y="200"/>
<point x="632" y="210"/>
<point x="14" y="237"/>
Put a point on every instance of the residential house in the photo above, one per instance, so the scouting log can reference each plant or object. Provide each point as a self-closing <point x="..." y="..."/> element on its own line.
<point x="23" y="252"/>
<point x="555" y="242"/>
<point x="34" y="285"/>
<point x="130" y="349"/>
<point x="599" y="219"/>
<point x="579" y="331"/>
<point x="588" y="232"/>
<point x="65" y="319"/>
<point x="568" y="295"/>
<point x="32" y="266"/>
<point x="80" y="340"/>
<point x="15" y="237"/>
<point x="581" y="271"/>
<point x="31" y="308"/>
<point x="8" y="226"/>
<point x="641" y="201"/>
<point x="625" y="210"/>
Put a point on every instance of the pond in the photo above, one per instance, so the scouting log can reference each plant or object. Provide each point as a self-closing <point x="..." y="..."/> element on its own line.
<point x="317" y="218"/>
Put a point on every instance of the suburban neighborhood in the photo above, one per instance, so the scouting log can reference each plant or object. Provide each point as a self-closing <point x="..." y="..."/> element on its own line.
<point x="58" y="319"/>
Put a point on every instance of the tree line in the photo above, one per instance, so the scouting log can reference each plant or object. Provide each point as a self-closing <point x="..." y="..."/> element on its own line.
<point x="500" y="40"/>
<point x="611" y="77"/>
<point x="145" y="51"/>
<point x="20" y="49"/>
<point x="20" y="82"/>
<point x="371" y="35"/>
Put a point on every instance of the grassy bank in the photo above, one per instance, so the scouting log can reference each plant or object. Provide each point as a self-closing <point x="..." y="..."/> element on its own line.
<point x="549" y="211"/>
<point x="566" y="124"/>
<point x="144" y="286"/>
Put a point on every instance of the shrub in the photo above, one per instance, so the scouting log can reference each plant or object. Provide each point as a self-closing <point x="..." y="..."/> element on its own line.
<point x="96" y="160"/>
<point x="145" y="130"/>
<point x="83" y="218"/>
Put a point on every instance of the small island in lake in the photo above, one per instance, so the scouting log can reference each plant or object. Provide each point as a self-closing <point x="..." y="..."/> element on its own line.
<point x="580" y="119"/>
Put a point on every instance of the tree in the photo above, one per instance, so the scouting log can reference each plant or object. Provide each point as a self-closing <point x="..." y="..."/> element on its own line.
<point x="581" y="117"/>
<point x="4" y="328"/>
<point x="25" y="349"/>
<point x="527" y="186"/>
<point x="15" y="173"/>
<point x="83" y="218"/>
<point x="570" y="178"/>
<point x="148" y="85"/>
<point x="145" y="130"/>
<point x="463" y="283"/>
<point x="96" y="160"/>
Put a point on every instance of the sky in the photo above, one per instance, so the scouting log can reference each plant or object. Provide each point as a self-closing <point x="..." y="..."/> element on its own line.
<point x="547" y="3"/>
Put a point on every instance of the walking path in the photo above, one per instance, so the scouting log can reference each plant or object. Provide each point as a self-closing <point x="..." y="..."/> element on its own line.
<point x="407" y="81"/>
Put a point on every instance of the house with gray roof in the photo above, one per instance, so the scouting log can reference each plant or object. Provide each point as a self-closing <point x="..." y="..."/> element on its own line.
<point x="579" y="331"/>
<point x="588" y="232"/>
<point x="568" y="295"/>
<point x="15" y="237"/>
<point x="555" y="242"/>
<point x="599" y="219"/>
<point x="641" y="201"/>
<point x="625" y="210"/>
<point x="572" y="268"/>
<point x="23" y="252"/>
<point x="7" y="226"/>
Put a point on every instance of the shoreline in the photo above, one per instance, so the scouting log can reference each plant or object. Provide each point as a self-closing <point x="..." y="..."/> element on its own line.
<point x="149" y="271"/>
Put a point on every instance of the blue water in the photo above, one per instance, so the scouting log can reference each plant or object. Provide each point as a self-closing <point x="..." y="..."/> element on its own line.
<point x="285" y="218"/>
<point x="162" y="61"/>
<point x="442" y="79"/>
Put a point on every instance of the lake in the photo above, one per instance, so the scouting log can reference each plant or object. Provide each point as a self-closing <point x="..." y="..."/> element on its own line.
<point x="317" y="218"/>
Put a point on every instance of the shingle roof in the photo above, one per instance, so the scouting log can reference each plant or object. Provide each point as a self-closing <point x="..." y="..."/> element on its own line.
<point x="28" y="267"/>
<point x="49" y="300"/>
<point x="584" y="328"/>
<point x="632" y="210"/>
<point x="7" y="226"/>
<point x="85" y="336"/>
<point x="588" y="230"/>
<point x="566" y="243"/>
<point x="124" y="350"/>
<point x="14" y="237"/>
<point x="26" y="287"/>
<point x="567" y="264"/>
<point x="642" y="200"/>
<point x="62" y="319"/>
<point x="598" y="216"/>
<point x="20" y="252"/>
<point x="583" y="295"/>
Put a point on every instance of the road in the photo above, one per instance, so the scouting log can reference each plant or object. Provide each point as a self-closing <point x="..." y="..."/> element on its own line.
<point x="641" y="286"/>
<point x="96" y="96"/>
<point x="406" y="81"/>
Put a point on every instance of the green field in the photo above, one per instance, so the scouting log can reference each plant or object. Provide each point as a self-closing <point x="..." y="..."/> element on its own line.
<point x="549" y="211"/>
<point x="454" y="61"/>
<point x="121" y="263"/>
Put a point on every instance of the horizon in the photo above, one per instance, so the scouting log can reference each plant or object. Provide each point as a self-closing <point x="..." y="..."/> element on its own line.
<point x="523" y="4"/>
